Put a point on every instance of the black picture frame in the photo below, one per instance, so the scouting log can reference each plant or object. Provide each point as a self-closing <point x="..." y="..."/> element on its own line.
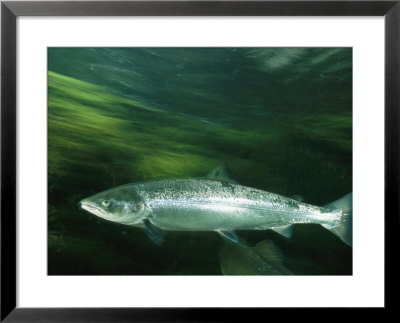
<point x="10" y="10"/>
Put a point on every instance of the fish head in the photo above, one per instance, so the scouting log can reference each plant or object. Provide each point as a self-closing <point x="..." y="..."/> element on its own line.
<point x="122" y="204"/>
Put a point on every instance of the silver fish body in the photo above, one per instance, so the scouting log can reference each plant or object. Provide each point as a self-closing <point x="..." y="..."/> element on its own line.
<point x="216" y="203"/>
<point x="209" y="205"/>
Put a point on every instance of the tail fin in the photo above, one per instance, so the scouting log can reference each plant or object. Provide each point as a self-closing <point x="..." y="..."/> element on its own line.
<point x="345" y="230"/>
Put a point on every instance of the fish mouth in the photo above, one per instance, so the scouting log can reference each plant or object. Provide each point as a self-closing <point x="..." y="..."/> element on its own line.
<point x="87" y="206"/>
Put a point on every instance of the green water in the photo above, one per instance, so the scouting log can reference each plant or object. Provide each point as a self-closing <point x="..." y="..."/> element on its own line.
<point x="279" y="118"/>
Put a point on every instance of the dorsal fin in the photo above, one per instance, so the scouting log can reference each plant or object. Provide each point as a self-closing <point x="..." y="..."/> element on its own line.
<point x="221" y="174"/>
<point x="298" y="198"/>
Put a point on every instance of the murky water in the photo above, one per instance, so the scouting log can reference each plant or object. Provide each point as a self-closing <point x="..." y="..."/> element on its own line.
<point x="279" y="118"/>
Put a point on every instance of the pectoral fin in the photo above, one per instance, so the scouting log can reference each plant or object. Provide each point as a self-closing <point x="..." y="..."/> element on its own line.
<point x="231" y="236"/>
<point x="154" y="233"/>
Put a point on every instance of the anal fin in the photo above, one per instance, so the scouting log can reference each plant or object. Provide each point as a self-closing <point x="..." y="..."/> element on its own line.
<point x="286" y="230"/>
<point x="231" y="236"/>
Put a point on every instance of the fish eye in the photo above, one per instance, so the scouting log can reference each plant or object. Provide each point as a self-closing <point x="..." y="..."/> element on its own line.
<point x="106" y="202"/>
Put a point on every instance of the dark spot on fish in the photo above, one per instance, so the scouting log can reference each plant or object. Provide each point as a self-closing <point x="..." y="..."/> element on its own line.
<point x="227" y="185"/>
<point x="292" y="204"/>
<point x="217" y="173"/>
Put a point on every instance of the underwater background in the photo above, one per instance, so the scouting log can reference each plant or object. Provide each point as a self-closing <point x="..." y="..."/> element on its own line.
<point x="280" y="119"/>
